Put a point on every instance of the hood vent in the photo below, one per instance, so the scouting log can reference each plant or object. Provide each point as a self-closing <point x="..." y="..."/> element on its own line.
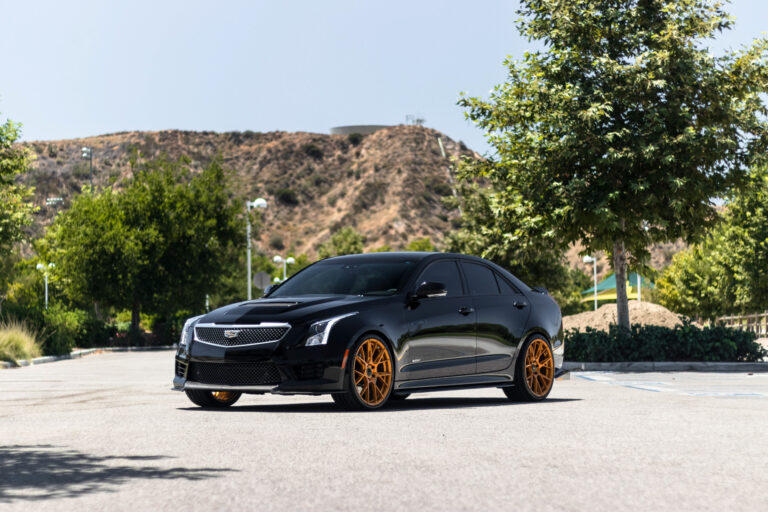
<point x="269" y="304"/>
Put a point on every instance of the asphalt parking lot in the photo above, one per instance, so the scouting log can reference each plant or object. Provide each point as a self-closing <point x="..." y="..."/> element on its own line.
<point x="106" y="432"/>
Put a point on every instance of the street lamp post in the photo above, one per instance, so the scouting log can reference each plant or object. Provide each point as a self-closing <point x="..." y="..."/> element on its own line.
<point x="285" y="261"/>
<point x="256" y="203"/>
<point x="590" y="259"/>
<point x="45" y="269"/>
<point x="88" y="155"/>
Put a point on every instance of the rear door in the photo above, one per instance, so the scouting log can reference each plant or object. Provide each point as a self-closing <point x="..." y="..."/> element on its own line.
<point x="502" y="313"/>
<point x="440" y="337"/>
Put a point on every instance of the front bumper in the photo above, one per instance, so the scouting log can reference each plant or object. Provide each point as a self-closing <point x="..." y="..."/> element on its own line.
<point x="265" y="369"/>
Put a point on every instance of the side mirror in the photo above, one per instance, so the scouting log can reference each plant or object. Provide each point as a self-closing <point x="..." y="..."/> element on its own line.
<point x="269" y="289"/>
<point x="428" y="290"/>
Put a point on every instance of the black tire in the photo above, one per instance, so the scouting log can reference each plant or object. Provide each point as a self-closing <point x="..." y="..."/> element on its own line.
<point x="534" y="382"/>
<point x="206" y="398"/>
<point x="373" y="389"/>
<point x="399" y="396"/>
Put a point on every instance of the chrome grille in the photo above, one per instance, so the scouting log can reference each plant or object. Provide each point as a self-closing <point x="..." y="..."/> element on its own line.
<point x="232" y="336"/>
<point x="235" y="374"/>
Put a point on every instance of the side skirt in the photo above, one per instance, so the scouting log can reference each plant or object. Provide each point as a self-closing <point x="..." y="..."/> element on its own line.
<point x="456" y="382"/>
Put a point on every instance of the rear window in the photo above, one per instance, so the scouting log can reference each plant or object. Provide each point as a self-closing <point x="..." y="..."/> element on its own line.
<point x="481" y="279"/>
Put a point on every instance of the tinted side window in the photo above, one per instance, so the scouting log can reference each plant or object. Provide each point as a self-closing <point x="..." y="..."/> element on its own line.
<point x="506" y="288"/>
<point x="481" y="279"/>
<point x="445" y="272"/>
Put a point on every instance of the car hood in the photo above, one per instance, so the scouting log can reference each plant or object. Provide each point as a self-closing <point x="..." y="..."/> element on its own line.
<point x="285" y="309"/>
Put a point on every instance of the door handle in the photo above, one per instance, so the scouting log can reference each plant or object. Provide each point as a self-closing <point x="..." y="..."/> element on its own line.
<point x="466" y="311"/>
<point x="519" y="304"/>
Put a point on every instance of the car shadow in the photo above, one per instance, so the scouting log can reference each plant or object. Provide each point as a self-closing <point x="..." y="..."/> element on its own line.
<point x="413" y="403"/>
<point x="47" y="472"/>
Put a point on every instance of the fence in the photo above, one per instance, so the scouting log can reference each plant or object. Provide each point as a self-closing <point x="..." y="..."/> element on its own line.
<point x="757" y="323"/>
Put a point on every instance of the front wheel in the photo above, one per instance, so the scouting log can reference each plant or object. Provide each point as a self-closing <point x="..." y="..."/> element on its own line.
<point x="370" y="377"/>
<point x="534" y="372"/>
<point x="205" y="398"/>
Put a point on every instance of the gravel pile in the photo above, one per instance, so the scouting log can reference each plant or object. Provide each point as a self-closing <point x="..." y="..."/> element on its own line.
<point x="644" y="313"/>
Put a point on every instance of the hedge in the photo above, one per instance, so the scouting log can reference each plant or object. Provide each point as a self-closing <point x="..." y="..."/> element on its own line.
<point x="685" y="342"/>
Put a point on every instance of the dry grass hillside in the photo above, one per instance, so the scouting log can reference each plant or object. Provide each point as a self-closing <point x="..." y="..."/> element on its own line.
<point x="388" y="185"/>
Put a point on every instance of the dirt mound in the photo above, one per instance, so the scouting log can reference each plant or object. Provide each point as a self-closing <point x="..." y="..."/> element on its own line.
<point x="644" y="313"/>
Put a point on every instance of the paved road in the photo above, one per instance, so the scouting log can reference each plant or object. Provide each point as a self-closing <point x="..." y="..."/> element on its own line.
<point x="106" y="432"/>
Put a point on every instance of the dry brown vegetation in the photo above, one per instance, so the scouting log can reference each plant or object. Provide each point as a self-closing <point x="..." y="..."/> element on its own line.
<point x="388" y="185"/>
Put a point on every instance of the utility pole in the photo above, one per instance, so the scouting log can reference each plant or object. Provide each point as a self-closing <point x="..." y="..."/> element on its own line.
<point x="450" y="176"/>
<point x="88" y="154"/>
<point x="257" y="203"/>
<point x="45" y="269"/>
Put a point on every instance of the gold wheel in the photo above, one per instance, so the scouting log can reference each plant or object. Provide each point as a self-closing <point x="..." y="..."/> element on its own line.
<point x="372" y="372"/>
<point x="222" y="396"/>
<point x="539" y="367"/>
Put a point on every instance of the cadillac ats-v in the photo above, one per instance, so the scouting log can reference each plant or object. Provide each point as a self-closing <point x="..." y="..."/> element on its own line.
<point x="370" y="328"/>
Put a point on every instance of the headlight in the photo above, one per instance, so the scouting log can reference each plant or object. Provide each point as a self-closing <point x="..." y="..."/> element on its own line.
<point x="185" y="336"/>
<point x="319" y="331"/>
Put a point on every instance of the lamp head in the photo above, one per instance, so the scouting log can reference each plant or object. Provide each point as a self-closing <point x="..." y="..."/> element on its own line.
<point x="259" y="202"/>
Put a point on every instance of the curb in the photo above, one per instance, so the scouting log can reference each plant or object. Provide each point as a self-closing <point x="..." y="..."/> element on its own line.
<point x="80" y="353"/>
<point x="667" y="366"/>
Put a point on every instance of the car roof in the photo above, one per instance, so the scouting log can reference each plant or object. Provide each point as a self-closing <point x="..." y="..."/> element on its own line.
<point x="383" y="256"/>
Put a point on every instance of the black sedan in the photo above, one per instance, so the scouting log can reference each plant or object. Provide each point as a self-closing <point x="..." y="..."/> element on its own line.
<point x="370" y="328"/>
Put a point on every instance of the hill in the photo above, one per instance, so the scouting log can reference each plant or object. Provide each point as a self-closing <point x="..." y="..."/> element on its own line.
<point x="388" y="184"/>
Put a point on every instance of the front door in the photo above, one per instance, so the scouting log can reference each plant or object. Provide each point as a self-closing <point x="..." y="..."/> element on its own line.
<point x="440" y="337"/>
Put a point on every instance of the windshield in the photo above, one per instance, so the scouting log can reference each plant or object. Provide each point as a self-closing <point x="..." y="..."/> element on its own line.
<point x="345" y="278"/>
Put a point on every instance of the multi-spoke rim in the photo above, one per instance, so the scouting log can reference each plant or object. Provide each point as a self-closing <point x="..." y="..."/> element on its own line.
<point x="222" y="396"/>
<point x="539" y="367"/>
<point x="372" y="371"/>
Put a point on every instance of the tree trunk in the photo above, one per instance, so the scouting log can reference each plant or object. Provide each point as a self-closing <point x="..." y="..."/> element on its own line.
<point x="620" y="269"/>
<point x="135" y="315"/>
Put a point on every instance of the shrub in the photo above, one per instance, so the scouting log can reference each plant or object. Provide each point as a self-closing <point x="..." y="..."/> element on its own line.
<point x="17" y="341"/>
<point x="287" y="196"/>
<point x="438" y="187"/>
<point x="370" y="195"/>
<point x="276" y="242"/>
<point x="94" y="332"/>
<point x="62" y="329"/>
<point x="685" y="342"/>
<point x="312" y="151"/>
<point x="355" y="138"/>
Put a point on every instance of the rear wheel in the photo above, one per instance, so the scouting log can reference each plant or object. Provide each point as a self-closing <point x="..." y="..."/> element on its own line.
<point x="370" y="376"/>
<point x="534" y="372"/>
<point x="205" y="398"/>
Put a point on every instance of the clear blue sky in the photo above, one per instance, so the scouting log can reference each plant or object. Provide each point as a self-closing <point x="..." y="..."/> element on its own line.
<point x="78" y="68"/>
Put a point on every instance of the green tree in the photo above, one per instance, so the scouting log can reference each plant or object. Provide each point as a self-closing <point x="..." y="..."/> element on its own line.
<point x="344" y="241"/>
<point x="421" y="245"/>
<point x="747" y="243"/>
<point x="15" y="208"/>
<point x="725" y="272"/>
<point x="621" y="130"/>
<point x="698" y="283"/>
<point x="157" y="245"/>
